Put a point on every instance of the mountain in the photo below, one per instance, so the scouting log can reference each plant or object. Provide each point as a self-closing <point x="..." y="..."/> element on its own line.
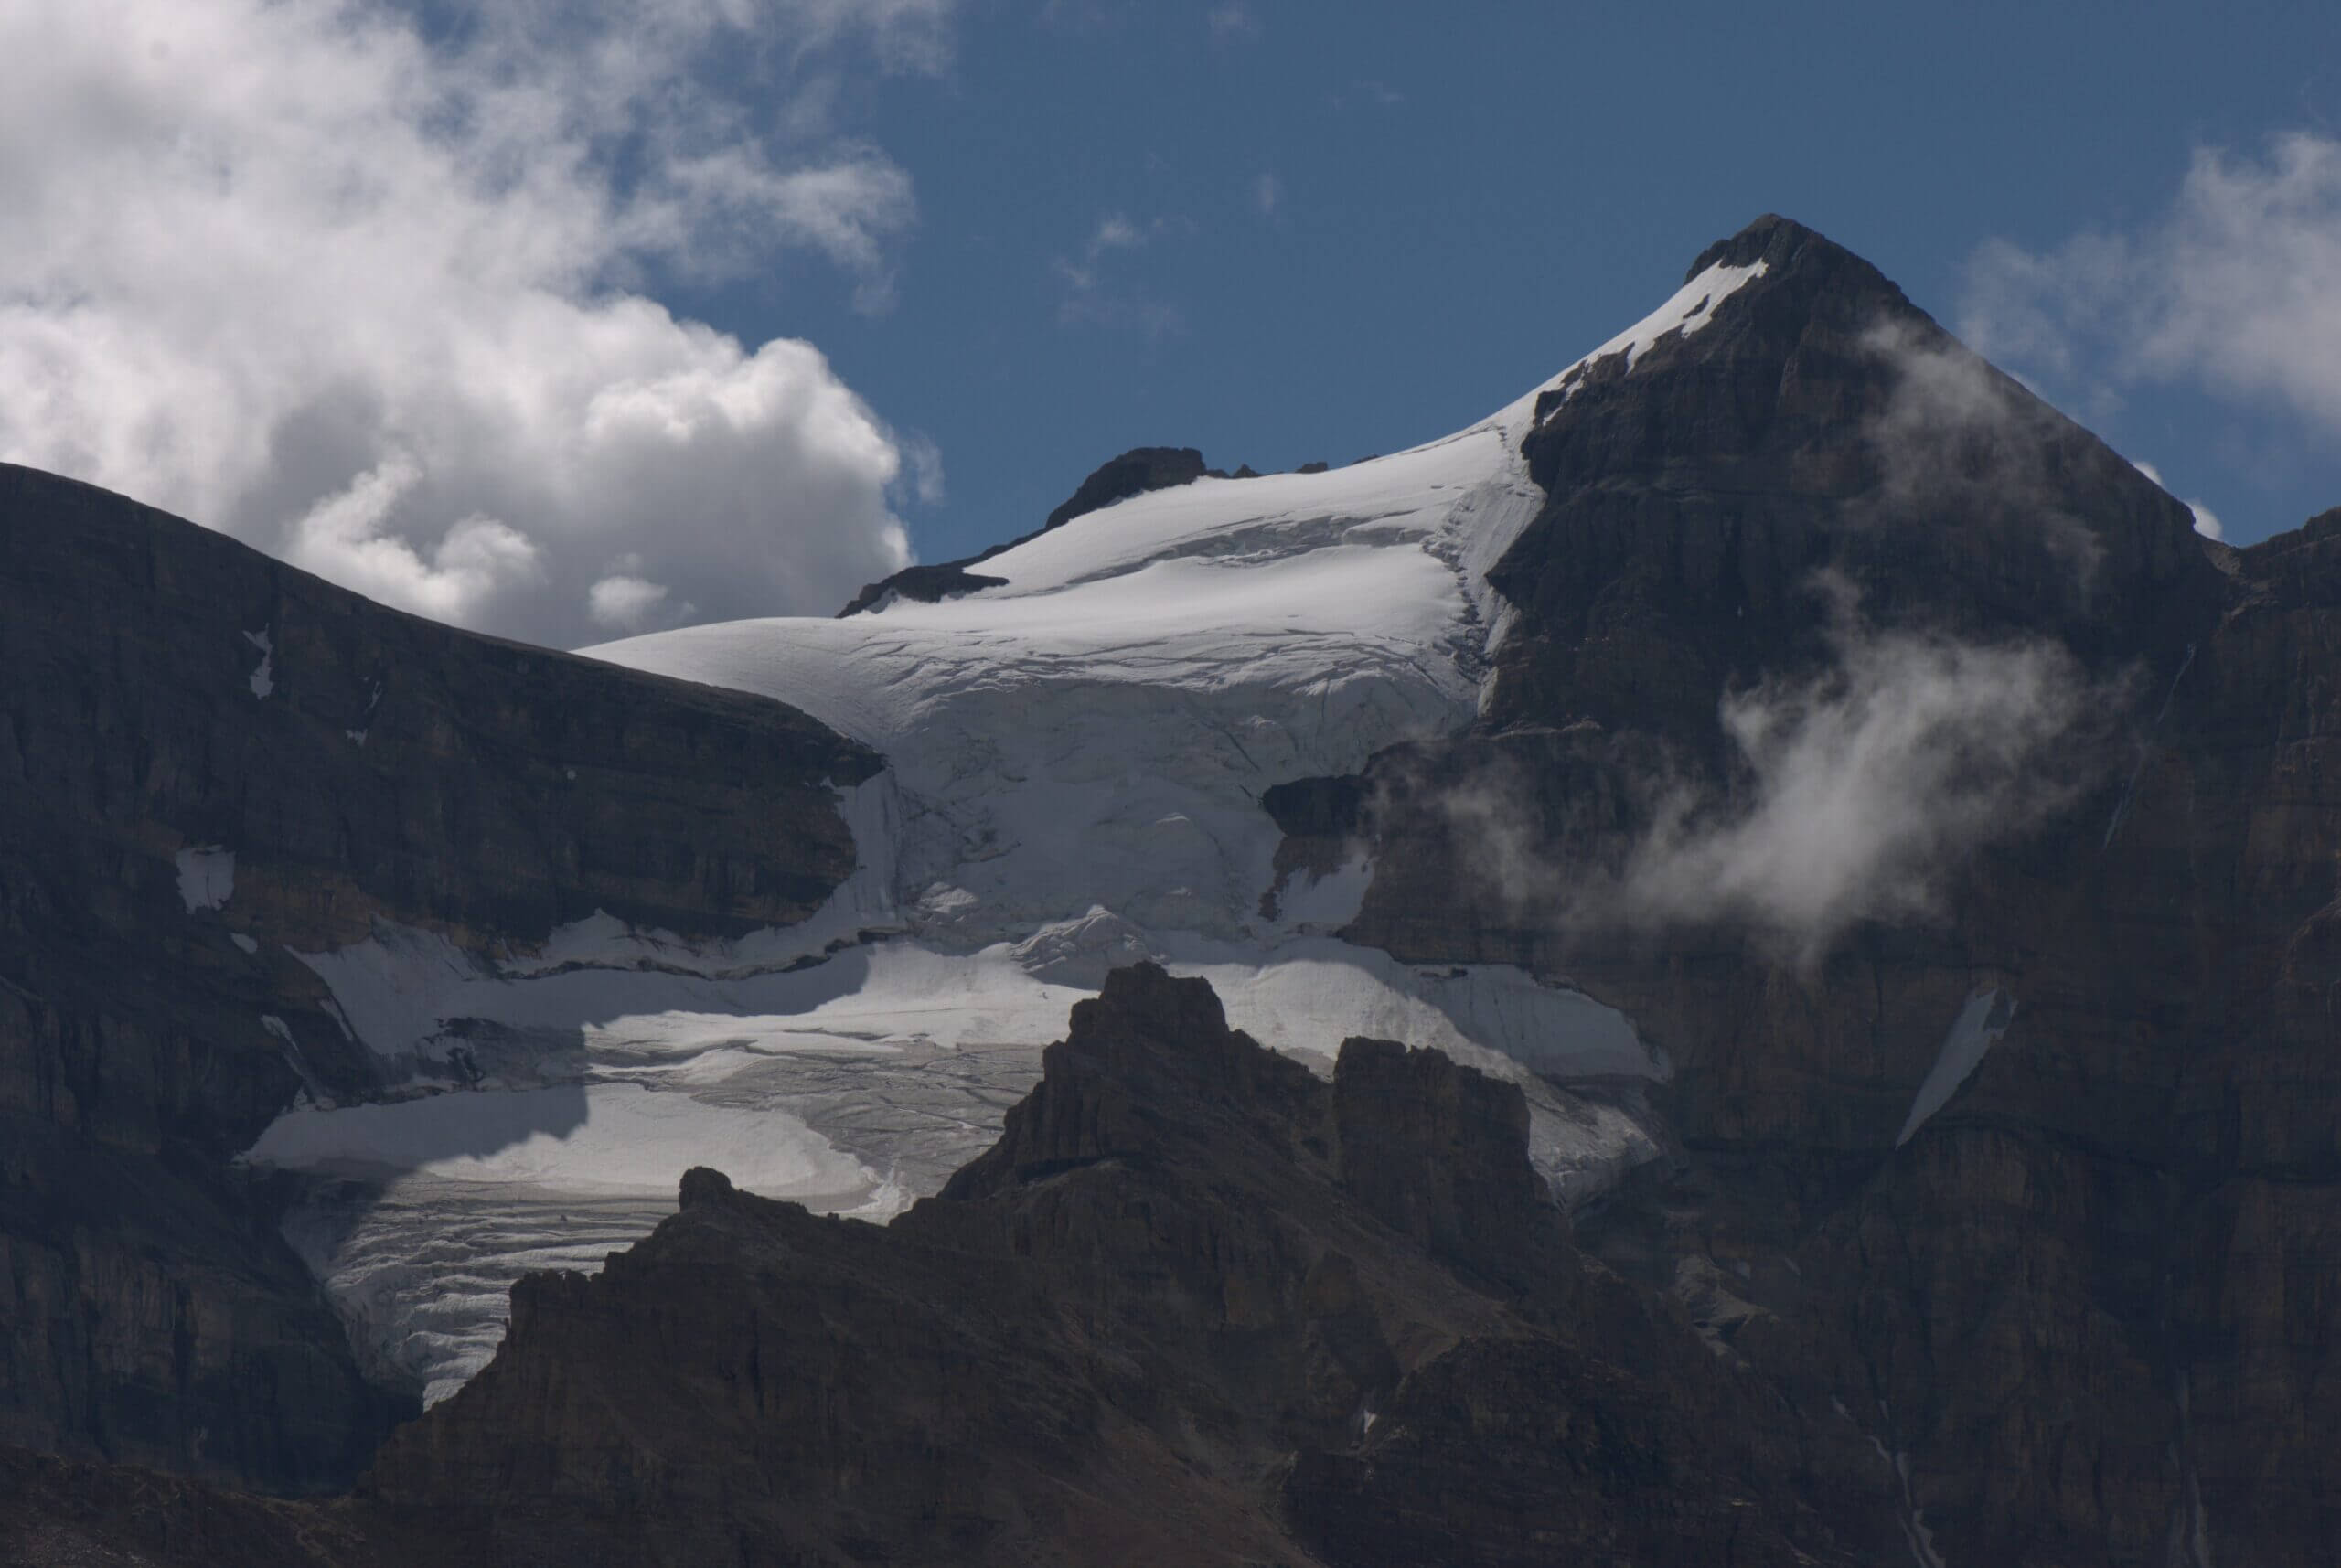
<point x="1868" y="848"/>
<point x="1075" y="762"/>
<point x="2018" y="1142"/>
<point x="1197" y="1306"/>
<point x="212" y="766"/>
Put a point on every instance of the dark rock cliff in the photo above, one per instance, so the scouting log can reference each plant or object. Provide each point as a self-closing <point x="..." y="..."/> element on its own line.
<point x="2087" y="1305"/>
<point x="1134" y="472"/>
<point x="1821" y="422"/>
<point x="163" y="690"/>
<point x="1197" y="1307"/>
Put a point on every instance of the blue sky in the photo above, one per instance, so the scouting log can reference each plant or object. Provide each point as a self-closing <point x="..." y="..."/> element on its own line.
<point x="1465" y="199"/>
<point x="566" y="320"/>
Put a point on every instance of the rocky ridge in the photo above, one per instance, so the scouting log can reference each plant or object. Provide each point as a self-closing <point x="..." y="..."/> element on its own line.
<point x="1196" y="1306"/>
<point x="1134" y="472"/>
<point x="2076" y="1308"/>
<point x="209" y="761"/>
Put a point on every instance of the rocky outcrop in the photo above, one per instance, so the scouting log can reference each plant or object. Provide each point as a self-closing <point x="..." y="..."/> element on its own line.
<point x="1134" y="472"/>
<point x="2076" y="1307"/>
<point x="1195" y="1306"/>
<point x="210" y="761"/>
<point x="921" y="585"/>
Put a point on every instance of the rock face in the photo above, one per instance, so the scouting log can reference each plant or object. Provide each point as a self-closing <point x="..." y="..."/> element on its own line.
<point x="1195" y="1306"/>
<point x="1134" y="472"/>
<point x="921" y="584"/>
<point x="210" y="761"/>
<point x="1819" y="422"/>
<point x="2083" y="1308"/>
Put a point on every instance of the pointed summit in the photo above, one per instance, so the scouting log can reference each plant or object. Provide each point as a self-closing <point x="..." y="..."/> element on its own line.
<point x="1784" y="246"/>
<point x="1815" y="421"/>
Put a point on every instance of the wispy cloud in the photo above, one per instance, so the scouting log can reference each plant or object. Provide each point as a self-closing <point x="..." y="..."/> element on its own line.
<point x="1080" y="16"/>
<point x="1093" y="299"/>
<point x="373" y="300"/>
<point x="1867" y="785"/>
<point x="1116" y="233"/>
<point x="2237" y="286"/>
<point x="1956" y="427"/>
<point x="1230" y="22"/>
<point x="1368" y="93"/>
<point x="1855" y="793"/>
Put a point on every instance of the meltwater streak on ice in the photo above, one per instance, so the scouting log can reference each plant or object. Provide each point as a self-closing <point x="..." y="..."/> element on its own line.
<point x="1075" y="761"/>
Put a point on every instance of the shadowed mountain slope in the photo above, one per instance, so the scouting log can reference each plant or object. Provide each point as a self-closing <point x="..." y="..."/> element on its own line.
<point x="1961" y="824"/>
<point x="209" y="761"/>
<point x="1197" y="1307"/>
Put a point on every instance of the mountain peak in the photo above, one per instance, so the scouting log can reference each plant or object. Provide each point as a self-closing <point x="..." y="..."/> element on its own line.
<point x="1806" y="418"/>
<point x="1787" y="248"/>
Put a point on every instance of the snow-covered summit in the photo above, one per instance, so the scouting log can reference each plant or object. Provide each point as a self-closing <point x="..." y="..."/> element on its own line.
<point x="1099" y="727"/>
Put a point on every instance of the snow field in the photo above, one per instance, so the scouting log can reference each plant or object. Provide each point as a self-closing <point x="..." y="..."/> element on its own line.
<point x="1075" y="765"/>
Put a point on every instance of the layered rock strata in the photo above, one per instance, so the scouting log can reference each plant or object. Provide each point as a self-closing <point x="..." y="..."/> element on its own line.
<point x="2082" y="1307"/>
<point x="208" y="762"/>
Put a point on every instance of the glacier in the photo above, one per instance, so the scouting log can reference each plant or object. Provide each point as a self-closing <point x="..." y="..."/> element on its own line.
<point x="1075" y="759"/>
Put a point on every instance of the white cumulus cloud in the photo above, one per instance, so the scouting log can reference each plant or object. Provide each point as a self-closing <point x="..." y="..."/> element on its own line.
<point x="2238" y="286"/>
<point x="373" y="298"/>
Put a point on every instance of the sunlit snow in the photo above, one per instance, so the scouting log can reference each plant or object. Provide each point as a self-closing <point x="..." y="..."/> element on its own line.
<point x="1076" y="761"/>
<point x="1692" y="307"/>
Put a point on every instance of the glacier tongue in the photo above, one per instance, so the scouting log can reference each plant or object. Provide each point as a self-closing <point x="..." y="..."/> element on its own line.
<point x="1075" y="761"/>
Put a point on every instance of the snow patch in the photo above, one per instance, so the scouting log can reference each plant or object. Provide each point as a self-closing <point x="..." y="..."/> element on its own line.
<point x="1980" y="1024"/>
<point x="311" y="1092"/>
<point x="1312" y="904"/>
<point x="1914" y="1519"/>
<point x="262" y="681"/>
<point x="1310" y="994"/>
<point x="243" y="943"/>
<point x="389" y="990"/>
<point x="207" y="876"/>
<point x="1691" y="308"/>
<point x="1080" y="952"/>
<point x="591" y="1138"/>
